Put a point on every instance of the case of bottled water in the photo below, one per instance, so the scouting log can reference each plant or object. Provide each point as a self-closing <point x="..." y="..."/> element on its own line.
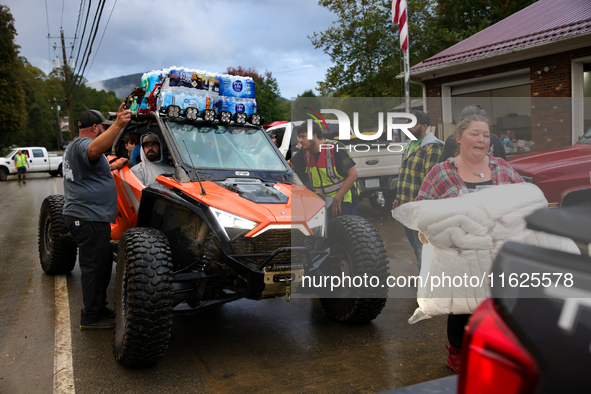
<point x="200" y="89"/>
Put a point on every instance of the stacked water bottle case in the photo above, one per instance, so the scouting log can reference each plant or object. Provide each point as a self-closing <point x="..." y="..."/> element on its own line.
<point x="191" y="88"/>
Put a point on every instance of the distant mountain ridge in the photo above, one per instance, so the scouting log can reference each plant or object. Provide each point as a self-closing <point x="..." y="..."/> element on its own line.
<point x="122" y="86"/>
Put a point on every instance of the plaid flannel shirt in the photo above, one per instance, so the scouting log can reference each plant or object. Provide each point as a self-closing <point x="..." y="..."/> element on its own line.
<point x="413" y="169"/>
<point x="443" y="181"/>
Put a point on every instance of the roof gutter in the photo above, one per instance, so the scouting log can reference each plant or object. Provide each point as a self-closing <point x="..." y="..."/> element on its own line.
<point x="426" y="71"/>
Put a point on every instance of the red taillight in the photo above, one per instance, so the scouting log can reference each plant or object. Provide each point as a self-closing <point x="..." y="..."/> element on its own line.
<point x="493" y="359"/>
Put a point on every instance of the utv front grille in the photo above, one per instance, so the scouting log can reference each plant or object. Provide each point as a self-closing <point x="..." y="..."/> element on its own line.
<point x="268" y="242"/>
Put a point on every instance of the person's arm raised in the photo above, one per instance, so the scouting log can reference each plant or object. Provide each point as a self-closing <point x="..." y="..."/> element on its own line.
<point x="104" y="141"/>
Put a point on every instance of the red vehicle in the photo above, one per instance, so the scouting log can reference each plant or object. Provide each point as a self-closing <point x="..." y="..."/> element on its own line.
<point x="532" y="336"/>
<point x="563" y="174"/>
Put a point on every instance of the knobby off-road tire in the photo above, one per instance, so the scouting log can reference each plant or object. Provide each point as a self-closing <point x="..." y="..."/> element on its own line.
<point x="359" y="250"/>
<point x="57" y="255"/>
<point x="143" y="310"/>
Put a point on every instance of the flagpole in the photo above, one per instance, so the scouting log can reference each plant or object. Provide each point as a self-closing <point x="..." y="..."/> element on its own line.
<point x="399" y="16"/>
<point x="407" y="79"/>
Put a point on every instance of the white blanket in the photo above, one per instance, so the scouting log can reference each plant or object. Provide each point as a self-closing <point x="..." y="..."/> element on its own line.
<point x="465" y="234"/>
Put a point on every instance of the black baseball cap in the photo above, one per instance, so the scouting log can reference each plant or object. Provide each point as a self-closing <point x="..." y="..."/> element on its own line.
<point x="474" y="109"/>
<point x="422" y="117"/>
<point x="91" y="117"/>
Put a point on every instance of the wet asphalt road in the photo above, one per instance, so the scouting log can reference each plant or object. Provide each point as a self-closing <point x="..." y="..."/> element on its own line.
<point x="242" y="347"/>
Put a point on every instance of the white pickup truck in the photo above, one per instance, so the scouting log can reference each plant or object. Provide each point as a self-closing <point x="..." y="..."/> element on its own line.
<point x="377" y="162"/>
<point x="38" y="158"/>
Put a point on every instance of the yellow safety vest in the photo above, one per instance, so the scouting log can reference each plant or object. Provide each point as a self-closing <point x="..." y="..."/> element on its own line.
<point x="323" y="175"/>
<point x="21" y="160"/>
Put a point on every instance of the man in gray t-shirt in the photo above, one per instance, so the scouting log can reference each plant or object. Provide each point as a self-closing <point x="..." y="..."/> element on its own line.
<point x="91" y="203"/>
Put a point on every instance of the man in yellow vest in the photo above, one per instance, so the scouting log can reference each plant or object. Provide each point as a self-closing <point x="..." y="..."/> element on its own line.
<point x="329" y="168"/>
<point x="21" y="164"/>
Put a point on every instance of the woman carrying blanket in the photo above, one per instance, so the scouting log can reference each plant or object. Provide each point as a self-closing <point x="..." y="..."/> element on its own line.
<point x="471" y="168"/>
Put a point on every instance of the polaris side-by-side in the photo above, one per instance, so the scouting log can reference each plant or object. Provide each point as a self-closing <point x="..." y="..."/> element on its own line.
<point x="228" y="221"/>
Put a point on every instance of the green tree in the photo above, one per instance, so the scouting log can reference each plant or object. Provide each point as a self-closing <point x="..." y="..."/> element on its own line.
<point x="362" y="46"/>
<point x="457" y="20"/>
<point x="268" y="96"/>
<point x="12" y="110"/>
<point x="41" y="123"/>
<point x="307" y="93"/>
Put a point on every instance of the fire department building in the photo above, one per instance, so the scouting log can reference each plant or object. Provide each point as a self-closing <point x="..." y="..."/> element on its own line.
<point x="531" y="72"/>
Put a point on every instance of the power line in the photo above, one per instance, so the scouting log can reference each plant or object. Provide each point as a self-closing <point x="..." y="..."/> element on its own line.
<point x="48" y="43"/>
<point x="83" y="32"/>
<point x="22" y="80"/>
<point x="77" y="26"/>
<point x="94" y="30"/>
<point x="104" y="31"/>
<point x="62" y="21"/>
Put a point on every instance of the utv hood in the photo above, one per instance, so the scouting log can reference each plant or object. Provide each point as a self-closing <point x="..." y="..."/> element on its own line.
<point x="285" y="205"/>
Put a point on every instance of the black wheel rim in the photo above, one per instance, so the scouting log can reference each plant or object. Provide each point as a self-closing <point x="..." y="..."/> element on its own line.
<point x="344" y="266"/>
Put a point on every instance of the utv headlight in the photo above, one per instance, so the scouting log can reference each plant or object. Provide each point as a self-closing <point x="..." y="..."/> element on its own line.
<point x="174" y="111"/>
<point x="318" y="223"/>
<point x="233" y="225"/>
<point x="208" y="115"/>
<point x="255" y="119"/>
<point x="225" y="117"/>
<point x="240" y="118"/>
<point x="191" y="113"/>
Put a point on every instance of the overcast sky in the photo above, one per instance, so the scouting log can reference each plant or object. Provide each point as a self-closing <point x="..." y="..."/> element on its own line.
<point x="144" y="35"/>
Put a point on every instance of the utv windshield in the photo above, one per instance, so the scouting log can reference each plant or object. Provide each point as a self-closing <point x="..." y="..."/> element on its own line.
<point x="219" y="146"/>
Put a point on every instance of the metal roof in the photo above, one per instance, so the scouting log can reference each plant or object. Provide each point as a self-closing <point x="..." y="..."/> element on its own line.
<point x="542" y="22"/>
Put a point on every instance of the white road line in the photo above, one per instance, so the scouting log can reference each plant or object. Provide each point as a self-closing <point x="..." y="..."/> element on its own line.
<point x="54" y="186"/>
<point x="63" y="369"/>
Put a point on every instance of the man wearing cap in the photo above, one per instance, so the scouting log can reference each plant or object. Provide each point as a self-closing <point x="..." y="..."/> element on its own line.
<point x="152" y="163"/>
<point x="452" y="148"/>
<point x="90" y="207"/>
<point x="329" y="168"/>
<point x="418" y="159"/>
<point x="273" y="137"/>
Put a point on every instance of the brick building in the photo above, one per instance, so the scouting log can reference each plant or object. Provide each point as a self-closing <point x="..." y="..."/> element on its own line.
<point x="530" y="71"/>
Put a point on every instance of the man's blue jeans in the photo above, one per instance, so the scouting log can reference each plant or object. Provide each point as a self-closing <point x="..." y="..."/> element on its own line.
<point x="415" y="242"/>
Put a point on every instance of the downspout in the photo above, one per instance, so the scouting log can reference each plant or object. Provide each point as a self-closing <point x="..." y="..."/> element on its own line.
<point x="400" y="76"/>
<point x="424" y="93"/>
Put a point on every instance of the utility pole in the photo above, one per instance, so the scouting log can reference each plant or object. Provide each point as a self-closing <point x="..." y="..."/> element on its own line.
<point x="66" y="72"/>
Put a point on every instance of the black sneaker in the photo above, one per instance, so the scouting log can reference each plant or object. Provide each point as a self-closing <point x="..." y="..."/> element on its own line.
<point x="100" y="324"/>
<point x="106" y="312"/>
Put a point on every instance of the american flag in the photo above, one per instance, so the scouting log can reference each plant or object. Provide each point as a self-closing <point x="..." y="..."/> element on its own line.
<point x="399" y="17"/>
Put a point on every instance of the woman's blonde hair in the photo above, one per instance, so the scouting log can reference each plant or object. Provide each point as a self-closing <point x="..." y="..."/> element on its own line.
<point x="464" y="124"/>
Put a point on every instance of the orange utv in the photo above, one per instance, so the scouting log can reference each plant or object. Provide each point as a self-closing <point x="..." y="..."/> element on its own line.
<point x="227" y="220"/>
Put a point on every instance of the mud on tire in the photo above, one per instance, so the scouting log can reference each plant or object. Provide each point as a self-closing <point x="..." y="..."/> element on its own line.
<point x="143" y="310"/>
<point x="359" y="250"/>
<point x="57" y="255"/>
